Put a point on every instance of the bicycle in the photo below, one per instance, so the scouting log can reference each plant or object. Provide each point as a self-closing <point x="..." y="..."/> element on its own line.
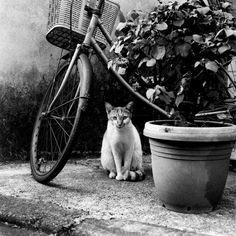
<point x="64" y="105"/>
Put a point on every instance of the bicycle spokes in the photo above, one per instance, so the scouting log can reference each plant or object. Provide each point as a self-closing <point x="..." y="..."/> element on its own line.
<point x="55" y="125"/>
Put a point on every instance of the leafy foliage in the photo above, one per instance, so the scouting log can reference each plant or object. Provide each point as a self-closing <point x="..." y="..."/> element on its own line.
<point x="176" y="54"/>
<point x="19" y="104"/>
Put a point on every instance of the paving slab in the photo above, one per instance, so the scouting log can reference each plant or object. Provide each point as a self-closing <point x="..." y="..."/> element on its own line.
<point x="82" y="200"/>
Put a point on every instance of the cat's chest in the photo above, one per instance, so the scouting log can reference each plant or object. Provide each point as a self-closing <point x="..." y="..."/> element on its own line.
<point x="121" y="136"/>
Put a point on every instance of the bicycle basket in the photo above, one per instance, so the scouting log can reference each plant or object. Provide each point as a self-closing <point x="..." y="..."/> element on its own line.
<point x="62" y="26"/>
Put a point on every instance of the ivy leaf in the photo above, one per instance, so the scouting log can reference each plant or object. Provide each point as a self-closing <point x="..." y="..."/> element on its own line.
<point x="137" y="31"/>
<point x="228" y="16"/>
<point x="188" y="39"/>
<point x="174" y="34"/>
<point x="136" y="41"/>
<point x="179" y="99"/>
<point x="151" y="62"/>
<point x="178" y="23"/>
<point x="144" y="60"/>
<point x="211" y="65"/>
<point x="230" y="32"/>
<point x="223" y="49"/>
<point x="197" y="63"/>
<point x="119" y="48"/>
<point x="209" y="41"/>
<point x="181" y="90"/>
<point x="150" y="94"/>
<point x="158" y="52"/>
<point x="206" y="2"/>
<point x="203" y="10"/>
<point x="113" y="46"/>
<point x="183" y="49"/>
<point x="198" y="38"/>
<point x="161" y="26"/>
<point x="121" y="26"/>
<point x="225" y="5"/>
<point x="127" y="37"/>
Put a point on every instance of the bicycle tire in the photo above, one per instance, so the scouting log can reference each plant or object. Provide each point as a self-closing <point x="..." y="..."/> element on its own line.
<point x="54" y="133"/>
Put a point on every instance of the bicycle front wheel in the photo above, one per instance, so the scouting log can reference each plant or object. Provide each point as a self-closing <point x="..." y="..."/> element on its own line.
<point x="56" y="127"/>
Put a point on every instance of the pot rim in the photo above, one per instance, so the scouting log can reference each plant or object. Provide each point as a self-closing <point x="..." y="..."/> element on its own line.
<point x="225" y="132"/>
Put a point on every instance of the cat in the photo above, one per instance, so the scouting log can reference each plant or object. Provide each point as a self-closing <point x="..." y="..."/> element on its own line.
<point x="121" y="153"/>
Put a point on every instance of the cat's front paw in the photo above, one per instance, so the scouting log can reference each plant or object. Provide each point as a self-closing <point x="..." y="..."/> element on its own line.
<point x="126" y="175"/>
<point x="119" y="177"/>
<point x="112" y="175"/>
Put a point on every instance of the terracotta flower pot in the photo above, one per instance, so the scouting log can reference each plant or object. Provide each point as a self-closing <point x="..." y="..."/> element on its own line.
<point x="190" y="164"/>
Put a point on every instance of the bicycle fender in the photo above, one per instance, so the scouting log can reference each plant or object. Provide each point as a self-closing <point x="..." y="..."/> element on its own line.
<point x="86" y="72"/>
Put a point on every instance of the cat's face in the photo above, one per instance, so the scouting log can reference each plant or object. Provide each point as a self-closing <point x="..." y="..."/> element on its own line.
<point x="119" y="116"/>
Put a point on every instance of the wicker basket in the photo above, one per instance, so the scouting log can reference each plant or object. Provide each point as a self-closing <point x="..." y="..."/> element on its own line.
<point x="60" y="22"/>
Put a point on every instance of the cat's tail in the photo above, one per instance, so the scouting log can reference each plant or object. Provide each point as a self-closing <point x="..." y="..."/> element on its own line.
<point x="137" y="175"/>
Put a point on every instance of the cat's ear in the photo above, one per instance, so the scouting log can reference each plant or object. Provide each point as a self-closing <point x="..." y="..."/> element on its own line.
<point x="129" y="106"/>
<point x="108" y="107"/>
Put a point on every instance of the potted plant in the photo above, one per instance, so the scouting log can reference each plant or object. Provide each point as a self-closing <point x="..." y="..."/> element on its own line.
<point x="177" y="56"/>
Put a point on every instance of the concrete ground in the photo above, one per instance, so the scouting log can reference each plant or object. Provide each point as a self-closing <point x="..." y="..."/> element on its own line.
<point x="82" y="200"/>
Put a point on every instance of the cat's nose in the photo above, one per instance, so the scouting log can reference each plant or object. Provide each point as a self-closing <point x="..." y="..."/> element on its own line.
<point x="119" y="123"/>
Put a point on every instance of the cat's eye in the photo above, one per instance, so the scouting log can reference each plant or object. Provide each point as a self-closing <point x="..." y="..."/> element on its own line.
<point x="125" y="117"/>
<point x="114" y="118"/>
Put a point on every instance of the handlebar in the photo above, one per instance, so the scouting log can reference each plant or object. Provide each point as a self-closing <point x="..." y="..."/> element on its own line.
<point x="100" y="4"/>
<point x="96" y="9"/>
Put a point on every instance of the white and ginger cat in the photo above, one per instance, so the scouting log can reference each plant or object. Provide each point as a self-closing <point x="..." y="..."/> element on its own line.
<point x="121" y="153"/>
